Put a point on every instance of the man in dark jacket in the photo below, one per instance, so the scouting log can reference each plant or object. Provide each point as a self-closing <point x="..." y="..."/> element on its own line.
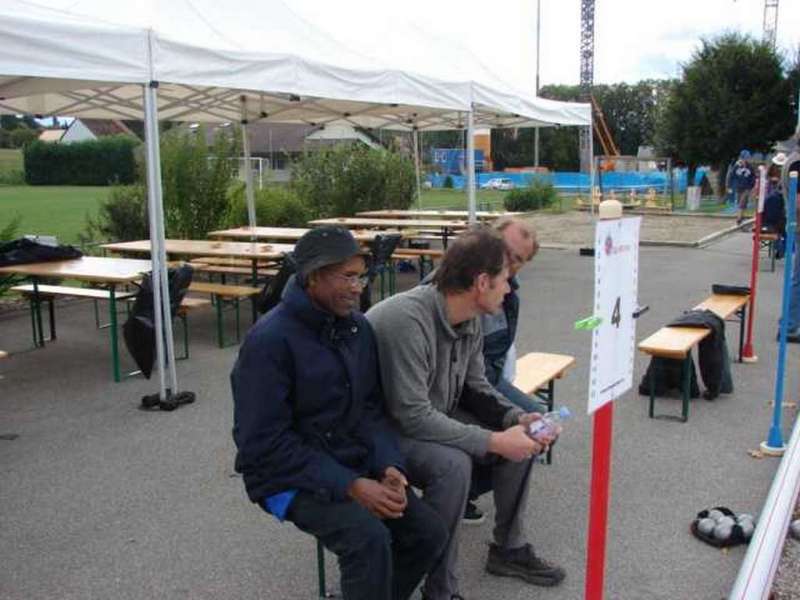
<point x="313" y="443"/>
<point x="741" y="179"/>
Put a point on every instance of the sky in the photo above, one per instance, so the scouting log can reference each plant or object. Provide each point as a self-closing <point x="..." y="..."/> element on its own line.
<point x="634" y="39"/>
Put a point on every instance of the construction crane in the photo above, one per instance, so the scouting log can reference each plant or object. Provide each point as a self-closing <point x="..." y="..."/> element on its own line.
<point x="770" y="26"/>
<point x="587" y="75"/>
<point x="770" y="22"/>
<point x="601" y="129"/>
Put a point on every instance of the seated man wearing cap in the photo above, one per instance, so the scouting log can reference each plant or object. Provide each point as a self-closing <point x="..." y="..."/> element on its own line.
<point x="313" y="443"/>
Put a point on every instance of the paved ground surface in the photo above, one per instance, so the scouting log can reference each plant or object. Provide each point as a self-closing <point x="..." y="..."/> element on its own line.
<point x="101" y="500"/>
<point x="574" y="228"/>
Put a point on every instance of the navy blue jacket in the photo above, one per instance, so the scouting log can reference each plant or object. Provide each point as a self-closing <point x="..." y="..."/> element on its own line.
<point x="741" y="176"/>
<point x="499" y="332"/>
<point x="308" y="406"/>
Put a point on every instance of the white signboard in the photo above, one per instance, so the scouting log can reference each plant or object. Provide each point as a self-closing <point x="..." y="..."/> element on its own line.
<point x="616" y="270"/>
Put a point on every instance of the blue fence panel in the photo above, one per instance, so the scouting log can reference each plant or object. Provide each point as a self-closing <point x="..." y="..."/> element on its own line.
<point x="575" y="182"/>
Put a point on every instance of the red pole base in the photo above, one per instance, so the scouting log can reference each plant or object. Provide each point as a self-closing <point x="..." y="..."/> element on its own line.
<point x="598" y="502"/>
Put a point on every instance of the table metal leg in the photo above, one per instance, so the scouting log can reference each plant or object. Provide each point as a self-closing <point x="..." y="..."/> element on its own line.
<point x="112" y="309"/>
<point x="37" y="305"/>
<point x="742" y="312"/>
<point x="686" y="372"/>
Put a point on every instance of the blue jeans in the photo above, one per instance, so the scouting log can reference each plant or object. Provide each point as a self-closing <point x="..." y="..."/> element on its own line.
<point x="519" y="398"/>
<point x="481" y="474"/>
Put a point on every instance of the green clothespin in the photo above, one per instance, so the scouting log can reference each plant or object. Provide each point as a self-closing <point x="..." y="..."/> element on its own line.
<point x="588" y="323"/>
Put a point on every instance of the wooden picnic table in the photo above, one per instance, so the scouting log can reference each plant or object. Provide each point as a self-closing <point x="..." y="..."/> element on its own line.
<point x="285" y="233"/>
<point x="483" y="215"/>
<point x="252" y="251"/>
<point x="445" y="226"/>
<point x="107" y="272"/>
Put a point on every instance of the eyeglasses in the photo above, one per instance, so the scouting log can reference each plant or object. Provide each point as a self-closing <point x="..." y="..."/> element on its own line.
<point x="352" y="280"/>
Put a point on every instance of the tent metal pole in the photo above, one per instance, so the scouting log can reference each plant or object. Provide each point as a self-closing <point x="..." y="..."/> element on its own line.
<point x="415" y="139"/>
<point x="471" y="168"/>
<point x="151" y="146"/>
<point x="591" y="169"/>
<point x="248" y="172"/>
<point x="166" y="312"/>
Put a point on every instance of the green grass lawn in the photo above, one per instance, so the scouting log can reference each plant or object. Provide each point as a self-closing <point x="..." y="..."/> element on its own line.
<point x="457" y="199"/>
<point x="10" y="160"/>
<point x="50" y="210"/>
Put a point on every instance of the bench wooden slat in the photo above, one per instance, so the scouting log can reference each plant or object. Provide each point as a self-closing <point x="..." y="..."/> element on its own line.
<point x="230" y="291"/>
<point x="233" y="270"/>
<point x="673" y="342"/>
<point x="723" y="305"/>
<point x="65" y="290"/>
<point x="230" y="262"/>
<point x="536" y="369"/>
<point x="415" y="252"/>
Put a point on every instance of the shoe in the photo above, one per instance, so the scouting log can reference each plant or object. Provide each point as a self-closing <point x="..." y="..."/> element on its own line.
<point x="473" y="515"/>
<point x="793" y="337"/>
<point x="739" y="220"/>
<point x="523" y="563"/>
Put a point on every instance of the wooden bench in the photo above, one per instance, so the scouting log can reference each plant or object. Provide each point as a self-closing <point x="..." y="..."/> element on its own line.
<point x="48" y="293"/>
<point x="677" y="342"/>
<point x="222" y="292"/>
<point x="537" y="373"/>
<point x="725" y="306"/>
<point x="768" y="240"/>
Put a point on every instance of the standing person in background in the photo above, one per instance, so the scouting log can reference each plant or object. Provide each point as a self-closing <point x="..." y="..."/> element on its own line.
<point x="499" y="333"/>
<point x="741" y="179"/>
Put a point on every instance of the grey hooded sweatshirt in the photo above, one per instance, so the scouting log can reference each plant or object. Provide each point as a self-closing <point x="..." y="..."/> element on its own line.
<point x="426" y="363"/>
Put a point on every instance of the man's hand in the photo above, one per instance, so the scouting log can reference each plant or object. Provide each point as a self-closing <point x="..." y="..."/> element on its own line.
<point x="514" y="444"/>
<point x="394" y="479"/>
<point x="381" y="500"/>
<point x="526" y="419"/>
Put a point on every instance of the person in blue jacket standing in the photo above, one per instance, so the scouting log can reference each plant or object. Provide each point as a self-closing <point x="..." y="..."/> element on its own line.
<point x="314" y="446"/>
<point x="741" y="179"/>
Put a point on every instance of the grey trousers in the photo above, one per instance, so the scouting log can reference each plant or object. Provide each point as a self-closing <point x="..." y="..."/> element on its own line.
<point x="443" y="473"/>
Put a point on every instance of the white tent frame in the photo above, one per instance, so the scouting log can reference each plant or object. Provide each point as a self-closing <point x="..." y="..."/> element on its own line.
<point x="126" y="85"/>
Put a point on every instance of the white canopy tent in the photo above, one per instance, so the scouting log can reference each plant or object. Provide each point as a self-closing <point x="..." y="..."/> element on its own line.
<point x="198" y="60"/>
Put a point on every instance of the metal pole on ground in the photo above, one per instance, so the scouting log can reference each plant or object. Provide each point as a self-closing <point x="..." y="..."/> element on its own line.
<point x="471" y="168"/>
<point x="152" y="158"/>
<point x="774" y="444"/>
<point x="754" y="581"/>
<point x="162" y="273"/>
<point x="415" y="140"/>
<point x="248" y="172"/>
<point x="748" y="354"/>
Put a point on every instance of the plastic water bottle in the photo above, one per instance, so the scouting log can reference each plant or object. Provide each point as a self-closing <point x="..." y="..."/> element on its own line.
<point x="547" y="426"/>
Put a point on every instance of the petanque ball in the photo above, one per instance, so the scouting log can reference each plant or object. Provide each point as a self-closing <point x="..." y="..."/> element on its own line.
<point x="794" y="529"/>
<point x="745" y="517"/>
<point x="706" y="526"/>
<point x="747" y="529"/>
<point x="726" y="521"/>
<point x="715" y="514"/>
<point x="722" y="531"/>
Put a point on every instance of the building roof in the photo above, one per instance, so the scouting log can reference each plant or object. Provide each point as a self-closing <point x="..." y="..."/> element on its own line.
<point x="51" y="135"/>
<point x="104" y="127"/>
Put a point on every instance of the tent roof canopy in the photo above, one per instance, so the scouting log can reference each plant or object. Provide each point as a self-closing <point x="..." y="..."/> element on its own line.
<point x="89" y="58"/>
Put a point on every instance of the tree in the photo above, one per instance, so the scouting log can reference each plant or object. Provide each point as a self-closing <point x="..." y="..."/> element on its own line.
<point x="21" y="136"/>
<point x="733" y="94"/>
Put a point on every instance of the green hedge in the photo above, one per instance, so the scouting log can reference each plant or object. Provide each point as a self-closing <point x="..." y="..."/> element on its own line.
<point x="276" y="206"/>
<point x="97" y="162"/>
<point x="538" y="194"/>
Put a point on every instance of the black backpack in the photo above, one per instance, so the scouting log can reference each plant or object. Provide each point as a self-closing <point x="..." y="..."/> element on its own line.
<point x="273" y="290"/>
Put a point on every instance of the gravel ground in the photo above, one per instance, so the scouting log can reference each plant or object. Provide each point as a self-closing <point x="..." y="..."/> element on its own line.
<point x="787" y="579"/>
<point x="576" y="228"/>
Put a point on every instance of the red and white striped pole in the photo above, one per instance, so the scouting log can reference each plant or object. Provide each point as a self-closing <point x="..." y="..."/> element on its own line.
<point x="748" y="354"/>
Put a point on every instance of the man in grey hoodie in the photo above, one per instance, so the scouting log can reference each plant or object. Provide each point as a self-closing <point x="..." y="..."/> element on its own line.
<point x="432" y="369"/>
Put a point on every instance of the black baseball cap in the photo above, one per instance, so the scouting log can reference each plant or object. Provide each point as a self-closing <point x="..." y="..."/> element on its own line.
<point x="324" y="246"/>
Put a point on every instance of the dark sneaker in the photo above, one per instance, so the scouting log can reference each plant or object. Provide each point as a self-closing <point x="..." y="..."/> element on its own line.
<point x="523" y="563"/>
<point x="473" y="515"/>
